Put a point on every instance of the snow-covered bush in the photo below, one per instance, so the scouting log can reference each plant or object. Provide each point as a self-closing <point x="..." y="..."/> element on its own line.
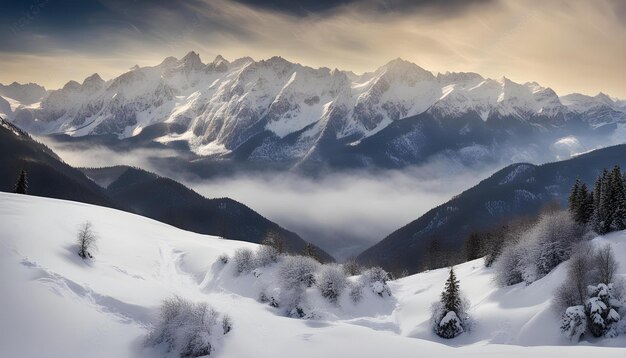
<point x="243" y="260"/>
<point x="356" y="291"/>
<point x="574" y="322"/>
<point x="189" y="329"/>
<point x="223" y="259"/>
<point x="376" y="278"/>
<point x="508" y="267"/>
<point x="266" y="255"/>
<point x="331" y="282"/>
<point x="449" y="316"/>
<point x="227" y="324"/>
<point x="538" y="250"/>
<point x="554" y="235"/>
<point x="590" y="308"/>
<point x="352" y="268"/>
<point x="601" y="309"/>
<point x="264" y="297"/>
<point x="296" y="274"/>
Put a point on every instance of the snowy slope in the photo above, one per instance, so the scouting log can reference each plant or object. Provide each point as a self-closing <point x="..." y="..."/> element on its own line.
<point x="56" y="305"/>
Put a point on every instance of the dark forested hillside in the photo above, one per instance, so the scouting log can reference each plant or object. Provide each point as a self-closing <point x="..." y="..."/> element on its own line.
<point x="519" y="189"/>
<point x="132" y="190"/>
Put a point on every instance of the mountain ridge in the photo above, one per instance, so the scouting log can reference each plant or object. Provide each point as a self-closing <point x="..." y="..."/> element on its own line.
<point x="517" y="190"/>
<point x="285" y="112"/>
<point x="133" y="190"/>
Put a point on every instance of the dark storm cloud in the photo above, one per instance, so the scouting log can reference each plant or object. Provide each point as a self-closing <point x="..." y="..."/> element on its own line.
<point x="309" y="7"/>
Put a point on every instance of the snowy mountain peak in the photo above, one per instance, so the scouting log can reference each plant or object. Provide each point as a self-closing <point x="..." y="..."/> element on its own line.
<point x="219" y="59"/>
<point x="93" y="81"/>
<point x="222" y="105"/>
<point x="191" y="62"/>
<point x="399" y="69"/>
<point x="604" y="98"/>
<point x="168" y="62"/>
<point x="219" y="64"/>
<point x="463" y="79"/>
<point x="72" y="86"/>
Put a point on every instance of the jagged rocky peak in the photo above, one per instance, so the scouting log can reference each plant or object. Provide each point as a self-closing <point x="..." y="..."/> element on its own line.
<point x="72" y="86"/>
<point x="219" y="64"/>
<point x="93" y="82"/>
<point x="278" y="63"/>
<point x="219" y="59"/>
<point x="464" y="79"/>
<point x="168" y="62"/>
<point x="604" y="98"/>
<point x="242" y="61"/>
<point x="191" y="61"/>
<point x="399" y="69"/>
<point x="24" y="93"/>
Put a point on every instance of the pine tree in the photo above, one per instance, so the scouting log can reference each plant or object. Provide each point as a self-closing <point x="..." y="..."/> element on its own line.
<point x="434" y="254"/>
<point x="21" y="187"/>
<point x="602" y="205"/>
<point x="585" y="212"/>
<point x="575" y="199"/>
<point x="451" y="295"/>
<point x="618" y="200"/>
<point x="474" y="246"/>
<point x="449" y="318"/>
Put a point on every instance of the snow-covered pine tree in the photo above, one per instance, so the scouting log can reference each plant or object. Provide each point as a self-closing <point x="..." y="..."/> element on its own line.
<point x="450" y="297"/>
<point x="449" y="317"/>
<point x="600" y="310"/>
<point x="21" y="187"/>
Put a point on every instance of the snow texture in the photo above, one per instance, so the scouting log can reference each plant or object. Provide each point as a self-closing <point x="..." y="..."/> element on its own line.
<point x="54" y="304"/>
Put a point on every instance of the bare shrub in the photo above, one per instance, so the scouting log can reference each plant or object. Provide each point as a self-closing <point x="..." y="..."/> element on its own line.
<point x="605" y="264"/>
<point x="86" y="240"/>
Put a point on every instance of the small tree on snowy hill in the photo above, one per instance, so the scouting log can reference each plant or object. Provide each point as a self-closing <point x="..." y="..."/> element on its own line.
<point x="86" y="240"/>
<point x="21" y="187"/>
<point x="606" y="264"/>
<point x="449" y="317"/>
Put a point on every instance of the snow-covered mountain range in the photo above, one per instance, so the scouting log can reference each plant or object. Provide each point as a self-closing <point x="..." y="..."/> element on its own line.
<point x="277" y="111"/>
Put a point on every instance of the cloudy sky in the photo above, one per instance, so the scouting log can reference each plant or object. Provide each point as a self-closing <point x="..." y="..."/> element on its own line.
<point x="569" y="45"/>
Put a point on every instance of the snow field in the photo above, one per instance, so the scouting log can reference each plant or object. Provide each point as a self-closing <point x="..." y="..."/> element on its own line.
<point x="57" y="305"/>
